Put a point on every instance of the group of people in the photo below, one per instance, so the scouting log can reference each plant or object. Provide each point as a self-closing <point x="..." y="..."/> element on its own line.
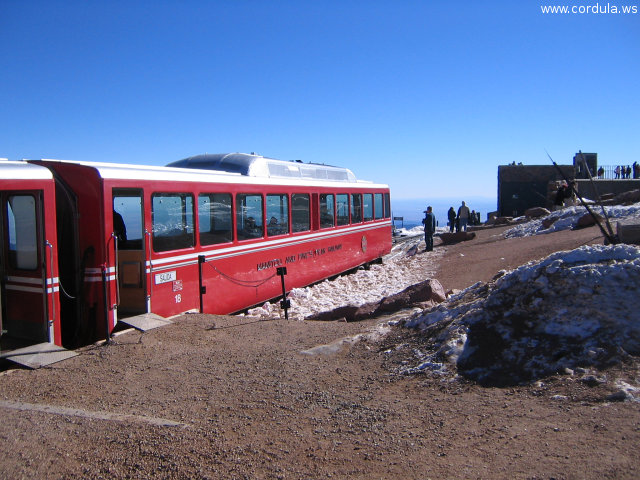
<point x="464" y="217"/>
<point x="625" y="172"/>
<point x="459" y="221"/>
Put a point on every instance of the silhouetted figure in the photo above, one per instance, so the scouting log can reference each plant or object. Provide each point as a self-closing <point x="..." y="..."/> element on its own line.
<point x="452" y="219"/>
<point x="429" y="223"/>
<point x="119" y="228"/>
<point x="463" y="216"/>
<point x="560" y="195"/>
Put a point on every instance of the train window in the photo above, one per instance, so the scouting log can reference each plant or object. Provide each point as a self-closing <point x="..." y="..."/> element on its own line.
<point x="356" y="207"/>
<point x="367" y="206"/>
<point x="300" y="212"/>
<point x="378" y="211"/>
<point x="23" y="232"/>
<point x="277" y="214"/>
<point x="326" y="210"/>
<point x="172" y="215"/>
<point x="342" y="209"/>
<point x="127" y="219"/>
<point x="214" y="218"/>
<point x="249" y="216"/>
<point x="387" y="205"/>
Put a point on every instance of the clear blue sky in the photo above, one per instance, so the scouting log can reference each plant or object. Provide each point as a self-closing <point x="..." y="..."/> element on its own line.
<point x="427" y="96"/>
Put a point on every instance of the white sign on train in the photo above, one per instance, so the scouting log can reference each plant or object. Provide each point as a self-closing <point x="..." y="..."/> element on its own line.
<point x="165" y="277"/>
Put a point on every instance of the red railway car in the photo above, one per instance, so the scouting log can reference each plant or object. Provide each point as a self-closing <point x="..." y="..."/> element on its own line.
<point x="207" y="233"/>
<point x="29" y="290"/>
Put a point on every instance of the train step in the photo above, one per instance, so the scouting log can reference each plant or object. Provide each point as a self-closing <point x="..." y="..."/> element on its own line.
<point x="145" y="321"/>
<point x="38" y="355"/>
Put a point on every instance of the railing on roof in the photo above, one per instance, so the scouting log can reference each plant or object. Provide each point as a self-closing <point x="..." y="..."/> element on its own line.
<point x="608" y="172"/>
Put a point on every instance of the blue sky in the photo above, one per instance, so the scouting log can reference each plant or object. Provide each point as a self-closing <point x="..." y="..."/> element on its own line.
<point x="427" y="96"/>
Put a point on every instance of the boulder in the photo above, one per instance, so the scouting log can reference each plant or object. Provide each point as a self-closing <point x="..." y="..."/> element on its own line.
<point x="632" y="196"/>
<point x="347" y="312"/>
<point x="449" y="238"/>
<point x="420" y="292"/>
<point x="536" y="212"/>
<point x="587" y="220"/>
<point x="426" y="294"/>
<point x="547" y="222"/>
<point x="629" y="232"/>
<point x="503" y="221"/>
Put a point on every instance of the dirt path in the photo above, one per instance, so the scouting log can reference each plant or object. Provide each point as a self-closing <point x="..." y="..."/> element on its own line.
<point x="228" y="397"/>
<point x="478" y="260"/>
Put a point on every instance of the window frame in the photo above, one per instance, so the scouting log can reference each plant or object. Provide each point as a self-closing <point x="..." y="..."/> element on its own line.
<point x="166" y="243"/>
<point x="342" y="220"/>
<point x="297" y="212"/>
<point x="244" y="230"/>
<point x="283" y="212"/>
<point x="378" y="206"/>
<point x="367" y="208"/>
<point x="356" y="209"/>
<point x="211" y="237"/>
<point x="16" y="255"/>
<point x="330" y="210"/>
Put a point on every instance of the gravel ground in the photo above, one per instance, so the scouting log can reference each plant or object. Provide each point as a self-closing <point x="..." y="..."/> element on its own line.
<point x="229" y="397"/>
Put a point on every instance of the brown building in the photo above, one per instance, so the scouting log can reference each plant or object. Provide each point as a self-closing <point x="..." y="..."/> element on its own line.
<point x="524" y="186"/>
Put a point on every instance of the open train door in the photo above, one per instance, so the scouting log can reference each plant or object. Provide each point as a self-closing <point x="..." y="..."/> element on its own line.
<point x="23" y="265"/>
<point x="131" y="252"/>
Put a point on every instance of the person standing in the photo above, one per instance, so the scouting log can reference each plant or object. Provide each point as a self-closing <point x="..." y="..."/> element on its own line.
<point x="429" y="223"/>
<point x="463" y="216"/>
<point x="451" y="214"/>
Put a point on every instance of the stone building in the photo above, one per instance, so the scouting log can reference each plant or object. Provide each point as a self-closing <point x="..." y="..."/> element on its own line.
<point x="524" y="186"/>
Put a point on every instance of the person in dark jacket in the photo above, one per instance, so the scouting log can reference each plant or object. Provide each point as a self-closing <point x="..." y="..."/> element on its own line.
<point x="429" y="223"/>
<point x="452" y="219"/>
<point x="119" y="228"/>
<point x="560" y="196"/>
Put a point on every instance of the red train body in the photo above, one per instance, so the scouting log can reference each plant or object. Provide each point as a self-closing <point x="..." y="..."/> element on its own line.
<point x="136" y="239"/>
<point x="29" y="295"/>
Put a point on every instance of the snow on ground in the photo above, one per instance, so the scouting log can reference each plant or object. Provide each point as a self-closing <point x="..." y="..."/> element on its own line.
<point x="416" y="231"/>
<point x="404" y="266"/>
<point x="567" y="218"/>
<point x="575" y="309"/>
<point x="572" y="311"/>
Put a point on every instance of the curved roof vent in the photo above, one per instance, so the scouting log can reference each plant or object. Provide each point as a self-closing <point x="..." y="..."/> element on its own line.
<point x="258" y="166"/>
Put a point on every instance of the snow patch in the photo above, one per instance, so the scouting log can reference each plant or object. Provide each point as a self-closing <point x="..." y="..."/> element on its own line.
<point x="567" y="218"/>
<point x="572" y="309"/>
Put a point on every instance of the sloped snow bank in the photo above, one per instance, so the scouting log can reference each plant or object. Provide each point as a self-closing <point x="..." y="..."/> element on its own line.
<point x="567" y="218"/>
<point x="579" y="308"/>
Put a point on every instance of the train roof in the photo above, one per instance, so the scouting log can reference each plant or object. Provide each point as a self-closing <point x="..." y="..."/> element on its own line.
<point x="159" y="173"/>
<point x="19" y="170"/>
<point x="253" y="165"/>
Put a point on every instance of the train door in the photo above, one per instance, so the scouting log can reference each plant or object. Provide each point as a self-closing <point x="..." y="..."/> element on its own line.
<point x="128" y="228"/>
<point x="23" y="269"/>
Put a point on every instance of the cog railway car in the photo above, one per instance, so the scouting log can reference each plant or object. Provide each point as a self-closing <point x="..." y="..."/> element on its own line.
<point x="207" y="233"/>
<point x="29" y="296"/>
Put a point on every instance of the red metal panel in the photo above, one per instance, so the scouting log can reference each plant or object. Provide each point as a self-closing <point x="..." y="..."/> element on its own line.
<point x="32" y="295"/>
